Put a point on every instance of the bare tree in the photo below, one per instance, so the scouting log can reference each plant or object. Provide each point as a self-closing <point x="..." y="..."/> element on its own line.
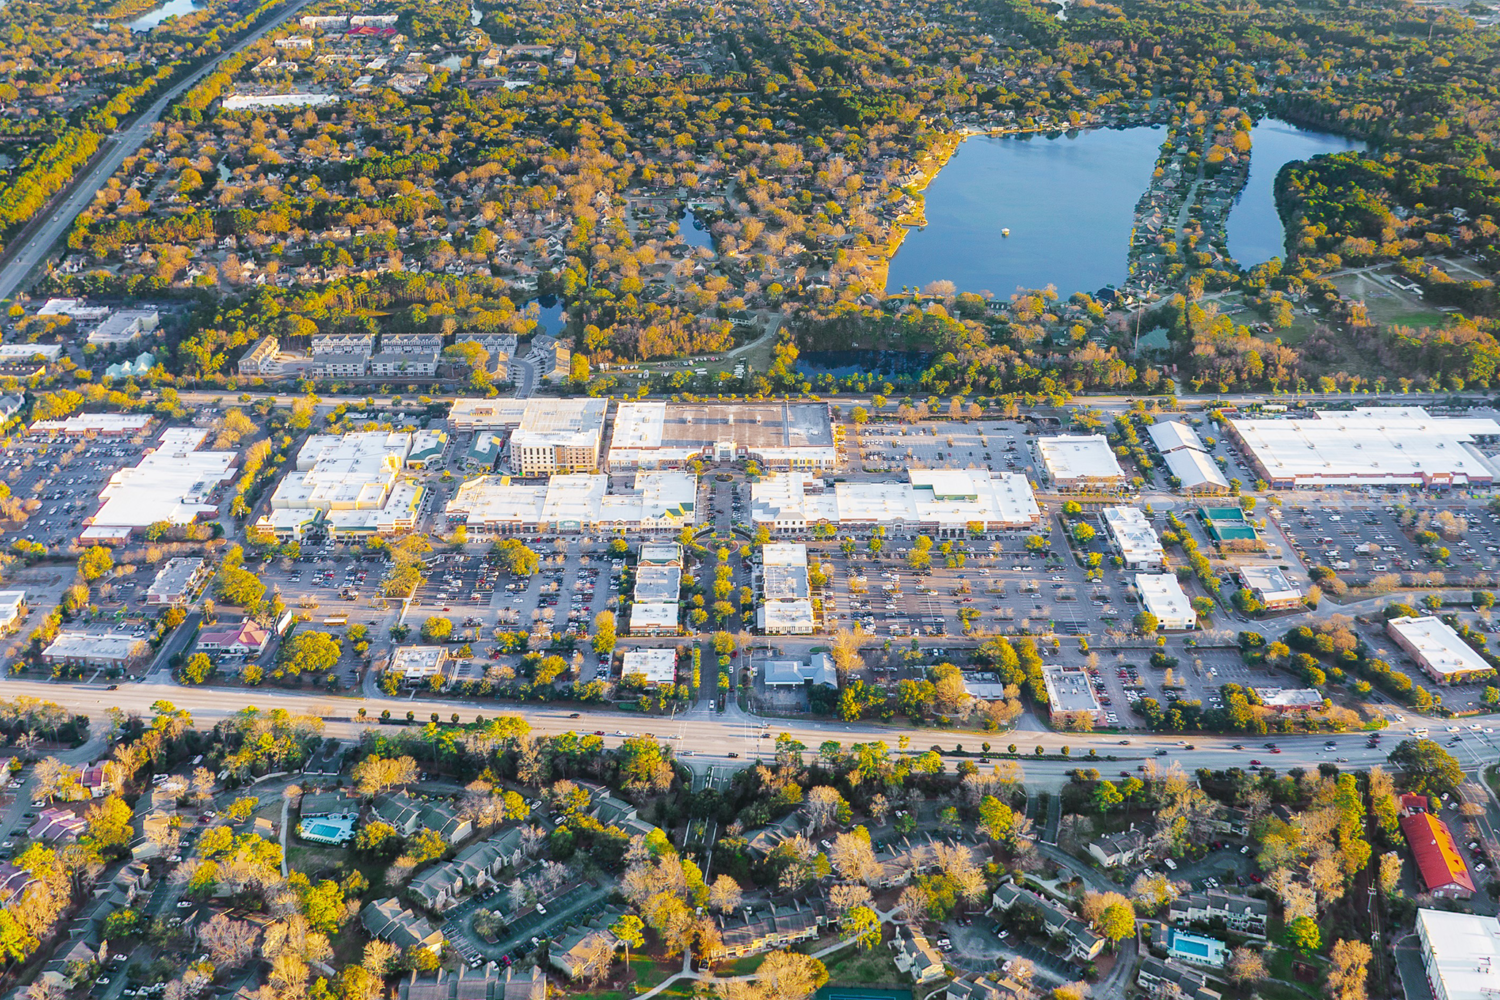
<point x="725" y="894"/>
<point x="846" y="896"/>
<point x="1246" y="967"/>
<point x="230" y="943"/>
<point x="853" y="857"/>
<point x="821" y="806"/>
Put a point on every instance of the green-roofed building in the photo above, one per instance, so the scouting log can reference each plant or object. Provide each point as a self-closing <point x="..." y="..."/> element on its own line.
<point x="426" y="447"/>
<point x="485" y="451"/>
<point x="1227" y="524"/>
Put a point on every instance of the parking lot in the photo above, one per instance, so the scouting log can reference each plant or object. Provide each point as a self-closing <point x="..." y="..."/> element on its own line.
<point x="64" y="477"/>
<point x="1365" y="539"/>
<point x="998" y="445"/>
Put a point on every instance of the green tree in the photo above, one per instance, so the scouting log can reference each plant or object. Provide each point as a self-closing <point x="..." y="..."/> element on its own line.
<point x="1106" y="796"/>
<point x="1117" y="922"/>
<point x="310" y="653"/>
<point x="604" y="633"/>
<point x="515" y="558"/>
<point x="629" y="929"/>
<point x="862" y="924"/>
<point x="1303" y="935"/>
<point x="198" y="668"/>
<point x="1429" y="768"/>
<point x="437" y="629"/>
<point x="95" y="562"/>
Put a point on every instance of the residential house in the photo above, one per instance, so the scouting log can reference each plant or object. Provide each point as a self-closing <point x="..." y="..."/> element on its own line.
<point x="336" y="803"/>
<point x="388" y="920"/>
<point x="412" y="343"/>
<point x="1062" y="924"/>
<point x="472" y="869"/>
<point x="486" y="983"/>
<point x="53" y="824"/>
<point x="13" y="881"/>
<point x="772" y="925"/>
<point x="573" y="952"/>
<point x="409" y="816"/>
<point x="1174" y="982"/>
<point x="1241" y="914"/>
<point x="976" y="987"/>
<point x="97" y="779"/>
<point x="768" y="838"/>
<point x="398" y="365"/>
<point x="1117" y="849"/>
<point x="916" y="956"/>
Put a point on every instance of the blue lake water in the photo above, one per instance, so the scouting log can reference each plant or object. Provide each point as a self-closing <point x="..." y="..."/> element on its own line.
<point x="551" y="318"/>
<point x="172" y="8"/>
<point x="693" y="234"/>
<point x="1256" y="233"/>
<point x="1068" y="201"/>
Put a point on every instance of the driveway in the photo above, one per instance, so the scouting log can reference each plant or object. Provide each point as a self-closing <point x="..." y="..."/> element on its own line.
<point x="459" y="925"/>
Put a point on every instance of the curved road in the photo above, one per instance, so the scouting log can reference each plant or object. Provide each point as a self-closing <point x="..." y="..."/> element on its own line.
<point x="57" y="217"/>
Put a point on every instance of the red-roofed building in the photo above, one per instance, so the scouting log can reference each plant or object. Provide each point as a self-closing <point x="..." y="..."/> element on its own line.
<point x="1443" y="870"/>
<point x="1411" y="802"/>
<point x="244" y="639"/>
<point x="96" y="780"/>
<point x="57" y="824"/>
<point x="13" y="881"/>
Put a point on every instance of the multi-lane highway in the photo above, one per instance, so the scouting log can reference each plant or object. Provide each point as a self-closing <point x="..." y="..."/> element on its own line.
<point x="57" y="217"/>
<point x="707" y="739"/>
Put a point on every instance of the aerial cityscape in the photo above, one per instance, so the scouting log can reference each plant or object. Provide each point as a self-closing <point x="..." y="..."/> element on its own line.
<point x="761" y="500"/>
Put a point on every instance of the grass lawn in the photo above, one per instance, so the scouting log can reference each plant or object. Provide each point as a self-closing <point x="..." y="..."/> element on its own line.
<point x="876" y="967"/>
<point x="649" y="972"/>
<point x="741" y="966"/>
<point x="1386" y="305"/>
<point x="314" y="858"/>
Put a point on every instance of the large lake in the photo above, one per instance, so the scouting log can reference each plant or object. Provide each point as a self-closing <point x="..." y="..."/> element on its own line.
<point x="1256" y="233"/>
<point x="1068" y="201"/>
<point x="172" y="8"/>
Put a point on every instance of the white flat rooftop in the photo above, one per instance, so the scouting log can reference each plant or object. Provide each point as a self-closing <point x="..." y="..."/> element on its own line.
<point x="574" y="422"/>
<point x="1069" y="690"/>
<point x="173" y="482"/>
<point x="1443" y="649"/>
<point x="1402" y="444"/>
<point x="1163" y="596"/>
<point x="581" y="499"/>
<point x="1271" y="581"/>
<point x="1133" y="533"/>
<point x="1079" y="456"/>
<point x="1465" y="953"/>
<point x="658" y="666"/>
<point x="645" y="617"/>
<point x="100" y="423"/>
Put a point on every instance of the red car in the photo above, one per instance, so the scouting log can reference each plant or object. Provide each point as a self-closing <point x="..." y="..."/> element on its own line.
<point x="1276" y="749"/>
<point x="1255" y="763"/>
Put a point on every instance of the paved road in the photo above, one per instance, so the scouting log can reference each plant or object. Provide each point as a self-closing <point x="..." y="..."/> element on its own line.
<point x="712" y="738"/>
<point x="58" y="217"/>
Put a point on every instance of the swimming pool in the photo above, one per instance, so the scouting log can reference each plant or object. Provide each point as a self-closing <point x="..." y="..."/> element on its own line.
<point x="327" y="830"/>
<point x="1197" y="949"/>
